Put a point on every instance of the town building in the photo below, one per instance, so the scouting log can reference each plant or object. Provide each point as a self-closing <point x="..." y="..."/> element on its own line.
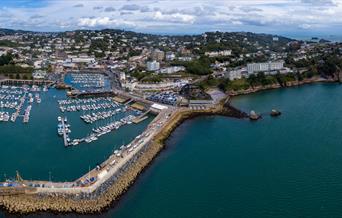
<point x="157" y="55"/>
<point x="39" y="74"/>
<point x="218" y="53"/>
<point x="153" y="65"/>
<point x="170" y="70"/>
<point x="265" y="67"/>
<point x="170" y="56"/>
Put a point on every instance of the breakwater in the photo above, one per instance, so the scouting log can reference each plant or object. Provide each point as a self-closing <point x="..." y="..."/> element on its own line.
<point x="113" y="188"/>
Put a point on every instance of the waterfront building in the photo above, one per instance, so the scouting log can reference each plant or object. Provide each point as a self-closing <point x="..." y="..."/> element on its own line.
<point x="265" y="67"/>
<point x="152" y="65"/>
<point x="194" y="103"/>
<point x="39" y="74"/>
<point x="235" y="73"/>
<point x="162" y="86"/>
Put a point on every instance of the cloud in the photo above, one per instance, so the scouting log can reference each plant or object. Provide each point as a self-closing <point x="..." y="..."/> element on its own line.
<point x="319" y="2"/>
<point x="97" y="7"/>
<point x="123" y="13"/>
<point x="103" y="22"/>
<point x="250" y="9"/>
<point x="109" y="9"/>
<point x="132" y="7"/>
<point x="176" y="15"/>
<point x="78" y="6"/>
<point x="36" y="16"/>
<point x="305" y="26"/>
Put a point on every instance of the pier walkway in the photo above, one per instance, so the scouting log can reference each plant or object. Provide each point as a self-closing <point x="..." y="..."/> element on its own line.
<point x="25" y="82"/>
<point x="66" y="144"/>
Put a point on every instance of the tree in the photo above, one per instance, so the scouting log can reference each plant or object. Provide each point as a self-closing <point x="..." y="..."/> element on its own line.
<point x="49" y="69"/>
<point x="6" y="59"/>
<point x="25" y="76"/>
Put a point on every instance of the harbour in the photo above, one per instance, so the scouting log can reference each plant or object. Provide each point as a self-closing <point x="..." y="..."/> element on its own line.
<point x="34" y="110"/>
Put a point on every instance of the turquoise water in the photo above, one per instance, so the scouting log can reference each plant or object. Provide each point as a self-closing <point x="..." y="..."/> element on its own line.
<point x="35" y="150"/>
<point x="290" y="166"/>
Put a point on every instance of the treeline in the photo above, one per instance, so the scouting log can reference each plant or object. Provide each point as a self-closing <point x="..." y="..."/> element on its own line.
<point x="196" y="67"/>
<point x="6" y="59"/>
<point x="13" y="69"/>
<point x="7" y="43"/>
<point x="252" y="81"/>
<point x="325" y="66"/>
<point x="8" y="68"/>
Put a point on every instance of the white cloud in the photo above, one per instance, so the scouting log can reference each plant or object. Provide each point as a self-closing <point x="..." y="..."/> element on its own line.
<point x="305" y="26"/>
<point x="103" y="22"/>
<point x="177" y="17"/>
<point x="78" y="6"/>
<point x="191" y="15"/>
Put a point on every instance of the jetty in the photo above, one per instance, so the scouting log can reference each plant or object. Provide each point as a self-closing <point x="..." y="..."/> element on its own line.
<point x="16" y="82"/>
<point x="65" y="135"/>
<point x="142" y="117"/>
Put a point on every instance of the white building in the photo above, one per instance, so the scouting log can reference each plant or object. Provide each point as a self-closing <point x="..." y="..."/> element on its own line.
<point x="81" y="59"/>
<point x="170" y="56"/>
<point x="153" y="66"/>
<point x="219" y="53"/>
<point x="236" y="73"/>
<point x="38" y="64"/>
<point x="265" y="67"/>
<point x="39" y="74"/>
<point x="174" y="69"/>
<point x="185" y="59"/>
<point x="162" y="86"/>
<point x="122" y="76"/>
<point x="3" y="53"/>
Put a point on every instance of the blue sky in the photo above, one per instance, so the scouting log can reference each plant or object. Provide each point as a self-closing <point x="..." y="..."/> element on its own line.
<point x="24" y="3"/>
<point x="287" y="17"/>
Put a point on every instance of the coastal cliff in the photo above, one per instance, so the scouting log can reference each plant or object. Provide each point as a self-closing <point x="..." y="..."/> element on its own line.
<point x="287" y="84"/>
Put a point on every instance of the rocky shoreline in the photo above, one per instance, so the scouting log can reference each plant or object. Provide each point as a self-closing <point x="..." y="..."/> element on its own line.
<point x="119" y="184"/>
<point x="277" y="86"/>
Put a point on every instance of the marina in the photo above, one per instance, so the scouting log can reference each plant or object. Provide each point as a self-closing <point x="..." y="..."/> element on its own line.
<point x="35" y="107"/>
<point x="89" y="82"/>
<point x="104" y="115"/>
<point x="14" y="98"/>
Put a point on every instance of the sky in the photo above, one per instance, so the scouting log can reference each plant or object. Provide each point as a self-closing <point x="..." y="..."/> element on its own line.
<point x="286" y="17"/>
